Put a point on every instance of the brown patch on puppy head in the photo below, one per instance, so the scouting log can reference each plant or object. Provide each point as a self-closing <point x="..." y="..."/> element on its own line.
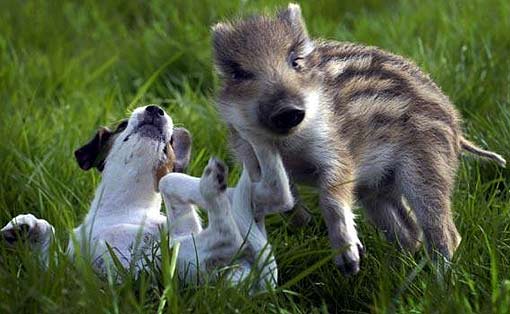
<point x="178" y="153"/>
<point x="181" y="144"/>
<point x="94" y="153"/>
<point x="165" y="167"/>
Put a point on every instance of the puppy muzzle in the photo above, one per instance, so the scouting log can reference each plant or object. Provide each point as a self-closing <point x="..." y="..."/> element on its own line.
<point x="152" y="123"/>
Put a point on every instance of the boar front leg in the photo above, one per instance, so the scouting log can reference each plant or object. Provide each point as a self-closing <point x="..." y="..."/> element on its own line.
<point x="336" y="197"/>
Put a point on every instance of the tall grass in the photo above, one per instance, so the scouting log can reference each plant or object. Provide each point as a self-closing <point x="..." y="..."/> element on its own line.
<point x="68" y="67"/>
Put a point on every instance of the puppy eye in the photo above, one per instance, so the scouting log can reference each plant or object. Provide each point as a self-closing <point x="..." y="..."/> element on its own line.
<point x="165" y="150"/>
<point x="122" y="126"/>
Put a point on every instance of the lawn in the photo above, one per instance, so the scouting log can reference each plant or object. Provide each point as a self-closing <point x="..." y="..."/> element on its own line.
<point x="68" y="67"/>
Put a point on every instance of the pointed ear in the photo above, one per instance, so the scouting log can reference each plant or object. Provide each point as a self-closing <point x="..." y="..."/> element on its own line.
<point x="93" y="154"/>
<point x="219" y="32"/>
<point x="221" y="28"/>
<point x="181" y="144"/>
<point x="221" y="44"/>
<point x="292" y="15"/>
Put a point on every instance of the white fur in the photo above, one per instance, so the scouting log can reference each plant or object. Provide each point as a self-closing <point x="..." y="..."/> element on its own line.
<point x="307" y="151"/>
<point x="125" y="215"/>
<point x="182" y="192"/>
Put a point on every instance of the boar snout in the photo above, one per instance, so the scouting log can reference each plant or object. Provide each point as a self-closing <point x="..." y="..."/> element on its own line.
<point x="287" y="119"/>
<point x="282" y="112"/>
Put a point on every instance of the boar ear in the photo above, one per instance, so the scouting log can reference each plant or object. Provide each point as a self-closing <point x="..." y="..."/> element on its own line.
<point x="220" y="42"/>
<point x="93" y="154"/>
<point x="293" y="16"/>
<point x="181" y="144"/>
<point x="221" y="28"/>
<point x="220" y="33"/>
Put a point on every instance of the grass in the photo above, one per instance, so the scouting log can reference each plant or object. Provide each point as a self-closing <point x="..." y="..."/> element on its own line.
<point x="68" y="67"/>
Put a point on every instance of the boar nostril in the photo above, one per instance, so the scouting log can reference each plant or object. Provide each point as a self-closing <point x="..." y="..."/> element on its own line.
<point x="288" y="119"/>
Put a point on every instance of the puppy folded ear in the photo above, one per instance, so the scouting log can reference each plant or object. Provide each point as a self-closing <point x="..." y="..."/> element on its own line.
<point x="181" y="144"/>
<point x="93" y="154"/>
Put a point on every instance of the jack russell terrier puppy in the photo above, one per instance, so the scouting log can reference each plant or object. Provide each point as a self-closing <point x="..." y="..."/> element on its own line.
<point x="142" y="156"/>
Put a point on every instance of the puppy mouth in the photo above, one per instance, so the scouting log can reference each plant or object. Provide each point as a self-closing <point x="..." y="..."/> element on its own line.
<point x="150" y="130"/>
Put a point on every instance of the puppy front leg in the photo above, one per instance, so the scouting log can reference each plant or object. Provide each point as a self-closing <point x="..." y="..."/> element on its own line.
<point x="246" y="153"/>
<point x="180" y="193"/>
<point x="272" y="193"/>
<point x="38" y="232"/>
<point x="221" y="240"/>
<point x="299" y="216"/>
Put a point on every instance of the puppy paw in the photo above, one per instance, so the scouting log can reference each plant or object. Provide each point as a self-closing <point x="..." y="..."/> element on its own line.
<point x="214" y="179"/>
<point x="28" y="228"/>
<point x="270" y="199"/>
<point x="348" y="262"/>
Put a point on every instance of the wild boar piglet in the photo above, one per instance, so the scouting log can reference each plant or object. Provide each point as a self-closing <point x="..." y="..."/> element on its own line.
<point x="355" y="121"/>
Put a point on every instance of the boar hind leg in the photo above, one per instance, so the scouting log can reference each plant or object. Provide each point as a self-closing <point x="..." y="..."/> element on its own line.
<point x="387" y="211"/>
<point x="427" y="188"/>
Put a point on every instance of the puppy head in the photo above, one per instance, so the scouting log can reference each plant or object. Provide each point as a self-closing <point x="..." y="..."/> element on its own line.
<point x="144" y="143"/>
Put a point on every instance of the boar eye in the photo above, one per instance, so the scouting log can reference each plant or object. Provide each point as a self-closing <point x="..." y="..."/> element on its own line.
<point x="241" y="75"/>
<point x="296" y="62"/>
<point x="238" y="74"/>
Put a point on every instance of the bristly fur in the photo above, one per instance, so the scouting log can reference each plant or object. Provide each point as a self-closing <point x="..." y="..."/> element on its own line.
<point x="376" y="128"/>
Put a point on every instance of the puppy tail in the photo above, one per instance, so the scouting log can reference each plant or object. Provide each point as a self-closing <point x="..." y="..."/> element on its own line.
<point x="486" y="154"/>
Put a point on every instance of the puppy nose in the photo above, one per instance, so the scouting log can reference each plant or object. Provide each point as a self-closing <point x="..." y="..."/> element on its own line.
<point x="288" y="118"/>
<point x="155" y="110"/>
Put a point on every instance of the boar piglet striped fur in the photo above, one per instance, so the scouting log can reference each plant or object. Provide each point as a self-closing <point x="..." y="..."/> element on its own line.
<point x="356" y="121"/>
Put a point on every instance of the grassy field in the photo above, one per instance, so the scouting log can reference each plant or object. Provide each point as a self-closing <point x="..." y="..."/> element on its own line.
<point x="68" y="67"/>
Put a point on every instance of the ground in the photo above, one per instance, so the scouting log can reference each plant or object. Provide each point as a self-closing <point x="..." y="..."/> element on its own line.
<point x="68" y="67"/>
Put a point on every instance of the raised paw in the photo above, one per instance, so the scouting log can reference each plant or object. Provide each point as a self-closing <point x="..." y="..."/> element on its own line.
<point x="27" y="227"/>
<point x="271" y="198"/>
<point x="348" y="262"/>
<point x="214" y="179"/>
